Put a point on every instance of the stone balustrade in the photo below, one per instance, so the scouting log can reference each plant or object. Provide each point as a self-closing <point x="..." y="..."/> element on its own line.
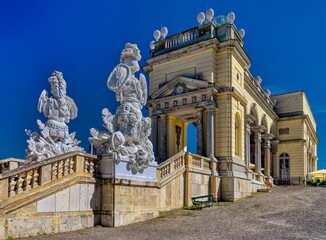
<point x="180" y="161"/>
<point x="199" y="161"/>
<point x="171" y="166"/>
<point x="191" y="36"/>
<point x="24" y="178"/>
<point x="10" y="163"/>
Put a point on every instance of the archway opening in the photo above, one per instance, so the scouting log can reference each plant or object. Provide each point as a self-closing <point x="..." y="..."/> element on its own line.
<point x="192" y="138"/>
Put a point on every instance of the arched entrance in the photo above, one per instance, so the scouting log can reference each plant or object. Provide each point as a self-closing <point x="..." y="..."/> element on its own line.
<point x="179" y="106"/>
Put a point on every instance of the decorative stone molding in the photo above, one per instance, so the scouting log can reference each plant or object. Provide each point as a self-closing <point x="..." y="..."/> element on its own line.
<point x="54" y="138"/>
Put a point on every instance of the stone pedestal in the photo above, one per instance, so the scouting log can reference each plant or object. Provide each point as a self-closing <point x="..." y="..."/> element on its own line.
<point x="109" y="169"/>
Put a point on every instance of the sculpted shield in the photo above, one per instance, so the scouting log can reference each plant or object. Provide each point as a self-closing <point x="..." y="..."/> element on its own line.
<point x="118" y="77"/>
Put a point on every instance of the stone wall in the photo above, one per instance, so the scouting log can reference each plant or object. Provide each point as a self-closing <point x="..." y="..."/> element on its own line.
<point x="57" y="195"/>
<point x="83" y="199"/>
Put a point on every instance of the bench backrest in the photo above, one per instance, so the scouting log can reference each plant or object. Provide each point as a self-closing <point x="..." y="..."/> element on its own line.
<point x="210" y="196"/>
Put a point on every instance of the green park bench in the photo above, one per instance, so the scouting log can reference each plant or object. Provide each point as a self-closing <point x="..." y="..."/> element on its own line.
<point x="205" y="200"/>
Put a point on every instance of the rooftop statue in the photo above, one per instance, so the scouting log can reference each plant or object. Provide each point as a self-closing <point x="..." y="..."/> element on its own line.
<point x="54" y="138"/>
<point x="127" y="132"/>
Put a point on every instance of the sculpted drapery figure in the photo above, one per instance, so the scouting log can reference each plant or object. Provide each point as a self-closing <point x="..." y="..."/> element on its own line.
<point x="54" y="137"/>
<point x="127" y="132"/>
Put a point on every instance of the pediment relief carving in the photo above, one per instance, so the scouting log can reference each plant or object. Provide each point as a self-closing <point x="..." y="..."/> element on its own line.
<point x="179" y="86"/>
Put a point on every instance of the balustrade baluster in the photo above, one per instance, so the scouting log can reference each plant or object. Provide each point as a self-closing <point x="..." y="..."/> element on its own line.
<point x="91" y="167"/>
<point x="87" y="165"/>
<point x="66" y="167"/>
<point x="20" y="182"/>
<point x="12" y="186"/>
<point x="35" y="178"/>
<point x="55" y="170"/>
<point x="60" y="169"/>
<point x="28" y="180"/>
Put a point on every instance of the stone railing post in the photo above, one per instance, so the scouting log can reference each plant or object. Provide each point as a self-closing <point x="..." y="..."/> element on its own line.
<point x="187" y="197"/>
<point x="4" y="185"/>
<point x="45" y="174"/>
<point x="80" y="163"/>
<point x="213" y="179"/>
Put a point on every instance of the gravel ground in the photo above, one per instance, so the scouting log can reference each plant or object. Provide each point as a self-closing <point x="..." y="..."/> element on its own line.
<point x="285" y="213"/>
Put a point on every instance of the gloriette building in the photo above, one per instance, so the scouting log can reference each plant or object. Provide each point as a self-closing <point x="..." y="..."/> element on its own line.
<point x="201" y="76"/>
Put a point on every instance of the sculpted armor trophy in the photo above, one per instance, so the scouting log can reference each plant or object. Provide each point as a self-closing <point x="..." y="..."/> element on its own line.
<point x="127" y="132"/>
<point x="54" y="138"/>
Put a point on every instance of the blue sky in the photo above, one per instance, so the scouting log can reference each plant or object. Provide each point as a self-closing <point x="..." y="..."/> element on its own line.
<point x="284" y="39"/>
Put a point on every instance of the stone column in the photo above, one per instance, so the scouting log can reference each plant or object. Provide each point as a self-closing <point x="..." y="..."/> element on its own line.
<point x="170" y="137"/>
<point x="258" y="152"/>
<point x="154" y="134"/>
<point x="267" y="147"/>
<point x="247" y="134"/>
<point x="200" y="132"/>
<point x="163" y="137"/>
<point x="274" y="157"/>
<point x="258" y="131"/>
<point x="210" y="133"/>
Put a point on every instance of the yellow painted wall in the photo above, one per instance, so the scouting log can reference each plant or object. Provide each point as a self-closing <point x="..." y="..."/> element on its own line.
<point x="297" y="155"/>
<point x="199" y="62"/>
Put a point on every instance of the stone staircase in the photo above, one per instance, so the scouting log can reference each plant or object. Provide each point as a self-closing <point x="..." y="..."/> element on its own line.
<point x="43" y="192"/>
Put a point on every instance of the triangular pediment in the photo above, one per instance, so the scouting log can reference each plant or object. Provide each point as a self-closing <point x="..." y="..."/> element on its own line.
<point x="179" y="85"/>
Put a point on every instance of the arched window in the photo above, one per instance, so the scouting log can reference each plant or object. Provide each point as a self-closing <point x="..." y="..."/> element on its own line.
<point x="284" y="166"/>
<point x="237" y="130"/>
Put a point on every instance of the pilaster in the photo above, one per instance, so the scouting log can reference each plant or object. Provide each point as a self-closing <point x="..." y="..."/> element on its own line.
<point x="163" y="137"/>
<point x="155" y="134"/>
<point x="210" y="132"/>
<point x="200" y="132"/>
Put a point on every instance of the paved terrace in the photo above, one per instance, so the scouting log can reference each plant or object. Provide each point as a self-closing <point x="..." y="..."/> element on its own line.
<point x="285" y="213"/>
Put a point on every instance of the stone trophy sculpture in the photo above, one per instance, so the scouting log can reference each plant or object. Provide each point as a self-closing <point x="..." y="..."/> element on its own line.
<point x="127" y="132"/>
<point x="54" y="138"/>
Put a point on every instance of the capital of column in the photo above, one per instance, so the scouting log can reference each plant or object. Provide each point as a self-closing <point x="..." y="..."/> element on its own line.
<point x="258" y="129"/>
<point x="163" y="116"/>
<point x="267" y="139"/>
<point x="257" y="137"/>
<point x="250" y="119"/>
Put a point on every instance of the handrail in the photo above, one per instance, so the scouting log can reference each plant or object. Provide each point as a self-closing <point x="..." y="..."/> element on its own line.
<point x="45" y="162"/>
<point x="26" y="177"/>
<point x="199" y="161"/>
<point x="171" y="166"/>
<point x="10" y="163"/>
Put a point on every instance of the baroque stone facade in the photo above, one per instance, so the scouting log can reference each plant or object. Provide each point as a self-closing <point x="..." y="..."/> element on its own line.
<point x="201" y="76"/>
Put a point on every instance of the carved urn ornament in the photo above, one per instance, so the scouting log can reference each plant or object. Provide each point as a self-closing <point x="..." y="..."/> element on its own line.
<point x="54" y="138"/>
<point x="127" y="132"/>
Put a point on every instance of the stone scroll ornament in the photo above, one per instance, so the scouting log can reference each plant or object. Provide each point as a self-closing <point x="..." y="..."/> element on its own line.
<point x="54" y="138"/>
<point x="127" y="132"/>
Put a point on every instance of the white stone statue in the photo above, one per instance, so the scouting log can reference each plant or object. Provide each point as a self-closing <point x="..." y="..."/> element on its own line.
<point x="127" y="132"/>
<point x="54" y="138"/>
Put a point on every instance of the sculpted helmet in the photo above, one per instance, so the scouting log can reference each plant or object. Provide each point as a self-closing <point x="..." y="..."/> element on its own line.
<point x="130" y="50"/>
